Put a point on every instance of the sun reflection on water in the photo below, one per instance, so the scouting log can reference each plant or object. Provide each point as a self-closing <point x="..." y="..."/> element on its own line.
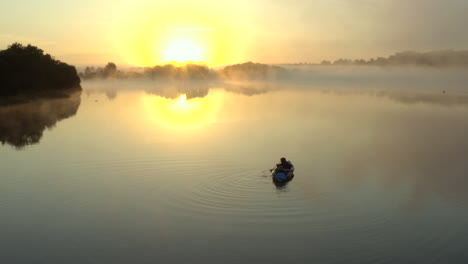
<point x="182" y="113"/>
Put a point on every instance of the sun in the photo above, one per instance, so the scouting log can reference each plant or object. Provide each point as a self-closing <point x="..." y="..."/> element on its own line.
<point x="183" y="50"/>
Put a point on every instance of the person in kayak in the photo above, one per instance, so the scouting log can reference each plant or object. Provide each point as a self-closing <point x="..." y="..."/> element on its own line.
<point x="284" y="166"/>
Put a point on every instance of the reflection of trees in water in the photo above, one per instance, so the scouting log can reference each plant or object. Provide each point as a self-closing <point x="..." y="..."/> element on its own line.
<point x="173" y="90"/>
<point x="248" y="89"/>
<point x="442" y="98"/>
<point x="111" y="94"/>
<point x="23" y="124"/>
<point x="109" y="88"/>
<point x="439" y="99"/>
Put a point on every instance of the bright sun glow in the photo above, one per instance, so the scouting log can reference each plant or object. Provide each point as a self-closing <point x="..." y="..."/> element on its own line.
<point x="183" y="51"/>
<point x="159" y="32"/>
<point x="183" y="100"/>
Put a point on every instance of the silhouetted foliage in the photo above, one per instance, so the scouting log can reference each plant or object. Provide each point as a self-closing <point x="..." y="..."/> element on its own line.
<point x="185" y="72"/>
<point x="443" y="58"/>
<point x="250" y="70"/>
<point x="109" y="71"/>
<point x="26" y="69"/>
<point x="190" y="72"/>
<point x="158" y="72"/>
<point x="343" y="62"/>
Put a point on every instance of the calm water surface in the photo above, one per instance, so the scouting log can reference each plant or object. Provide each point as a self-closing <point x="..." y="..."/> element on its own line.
<point x="130" y="172"/>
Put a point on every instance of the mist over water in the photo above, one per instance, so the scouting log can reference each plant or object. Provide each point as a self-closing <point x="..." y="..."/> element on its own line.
<point x="172" y="172"/>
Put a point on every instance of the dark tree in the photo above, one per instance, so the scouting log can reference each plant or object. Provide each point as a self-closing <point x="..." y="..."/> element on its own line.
<point x="250" y="70"/>
<point x="26" y="69"/>
<point x="110" y="69"/>
<point x="441" y="58"/>
<point x="186" y="72"/>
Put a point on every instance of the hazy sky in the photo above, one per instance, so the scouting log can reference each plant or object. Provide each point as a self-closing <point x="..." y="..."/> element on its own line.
<point x="144" y="32"/>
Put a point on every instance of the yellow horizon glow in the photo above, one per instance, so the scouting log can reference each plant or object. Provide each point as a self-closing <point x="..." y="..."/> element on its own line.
<point x="166" y="34"/>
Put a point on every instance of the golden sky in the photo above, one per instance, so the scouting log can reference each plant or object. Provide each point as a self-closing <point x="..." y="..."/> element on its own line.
<point x="143" y="32"/>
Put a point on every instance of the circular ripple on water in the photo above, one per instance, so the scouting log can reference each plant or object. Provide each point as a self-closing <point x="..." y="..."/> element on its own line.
<point x="223" y="193"/>
<point x="242" y="195"/>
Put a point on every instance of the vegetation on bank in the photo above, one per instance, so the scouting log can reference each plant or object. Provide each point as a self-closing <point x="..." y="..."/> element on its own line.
<point x="243" y="71"/>
<point x="108" y="71"/>
<point x="185" y="72"/>
<point x="250" y="70"/>
<point x="442" y="58"/>
<point x="26" y="70"/>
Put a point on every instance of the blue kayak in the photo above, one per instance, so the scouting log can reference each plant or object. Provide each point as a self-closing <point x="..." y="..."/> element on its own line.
<point x="282" y="176"/>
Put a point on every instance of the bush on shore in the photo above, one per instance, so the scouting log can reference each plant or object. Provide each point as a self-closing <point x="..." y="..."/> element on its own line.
<point x="27" y="70"/>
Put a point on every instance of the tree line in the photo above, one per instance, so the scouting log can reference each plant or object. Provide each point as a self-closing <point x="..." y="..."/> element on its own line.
<point x="442" y="58"/>
<point x="248" y="70"/>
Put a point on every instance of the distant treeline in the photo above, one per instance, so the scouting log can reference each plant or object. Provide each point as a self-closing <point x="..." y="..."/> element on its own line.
<point x="185" y="72"/>
<point x="109" y="71"/>
<point x="26" y="69"/>
<point x="248" y="70"/>
<point x="443" y="58"/>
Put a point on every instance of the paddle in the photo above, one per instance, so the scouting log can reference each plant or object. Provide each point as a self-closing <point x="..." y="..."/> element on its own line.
<point x="271" y="170"/>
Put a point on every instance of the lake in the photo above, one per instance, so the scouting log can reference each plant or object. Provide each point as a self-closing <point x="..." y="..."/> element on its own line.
<point x="146" y="172"/>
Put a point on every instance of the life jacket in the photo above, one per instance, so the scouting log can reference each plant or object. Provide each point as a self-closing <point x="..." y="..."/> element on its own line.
<point x="286" y="165"/>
